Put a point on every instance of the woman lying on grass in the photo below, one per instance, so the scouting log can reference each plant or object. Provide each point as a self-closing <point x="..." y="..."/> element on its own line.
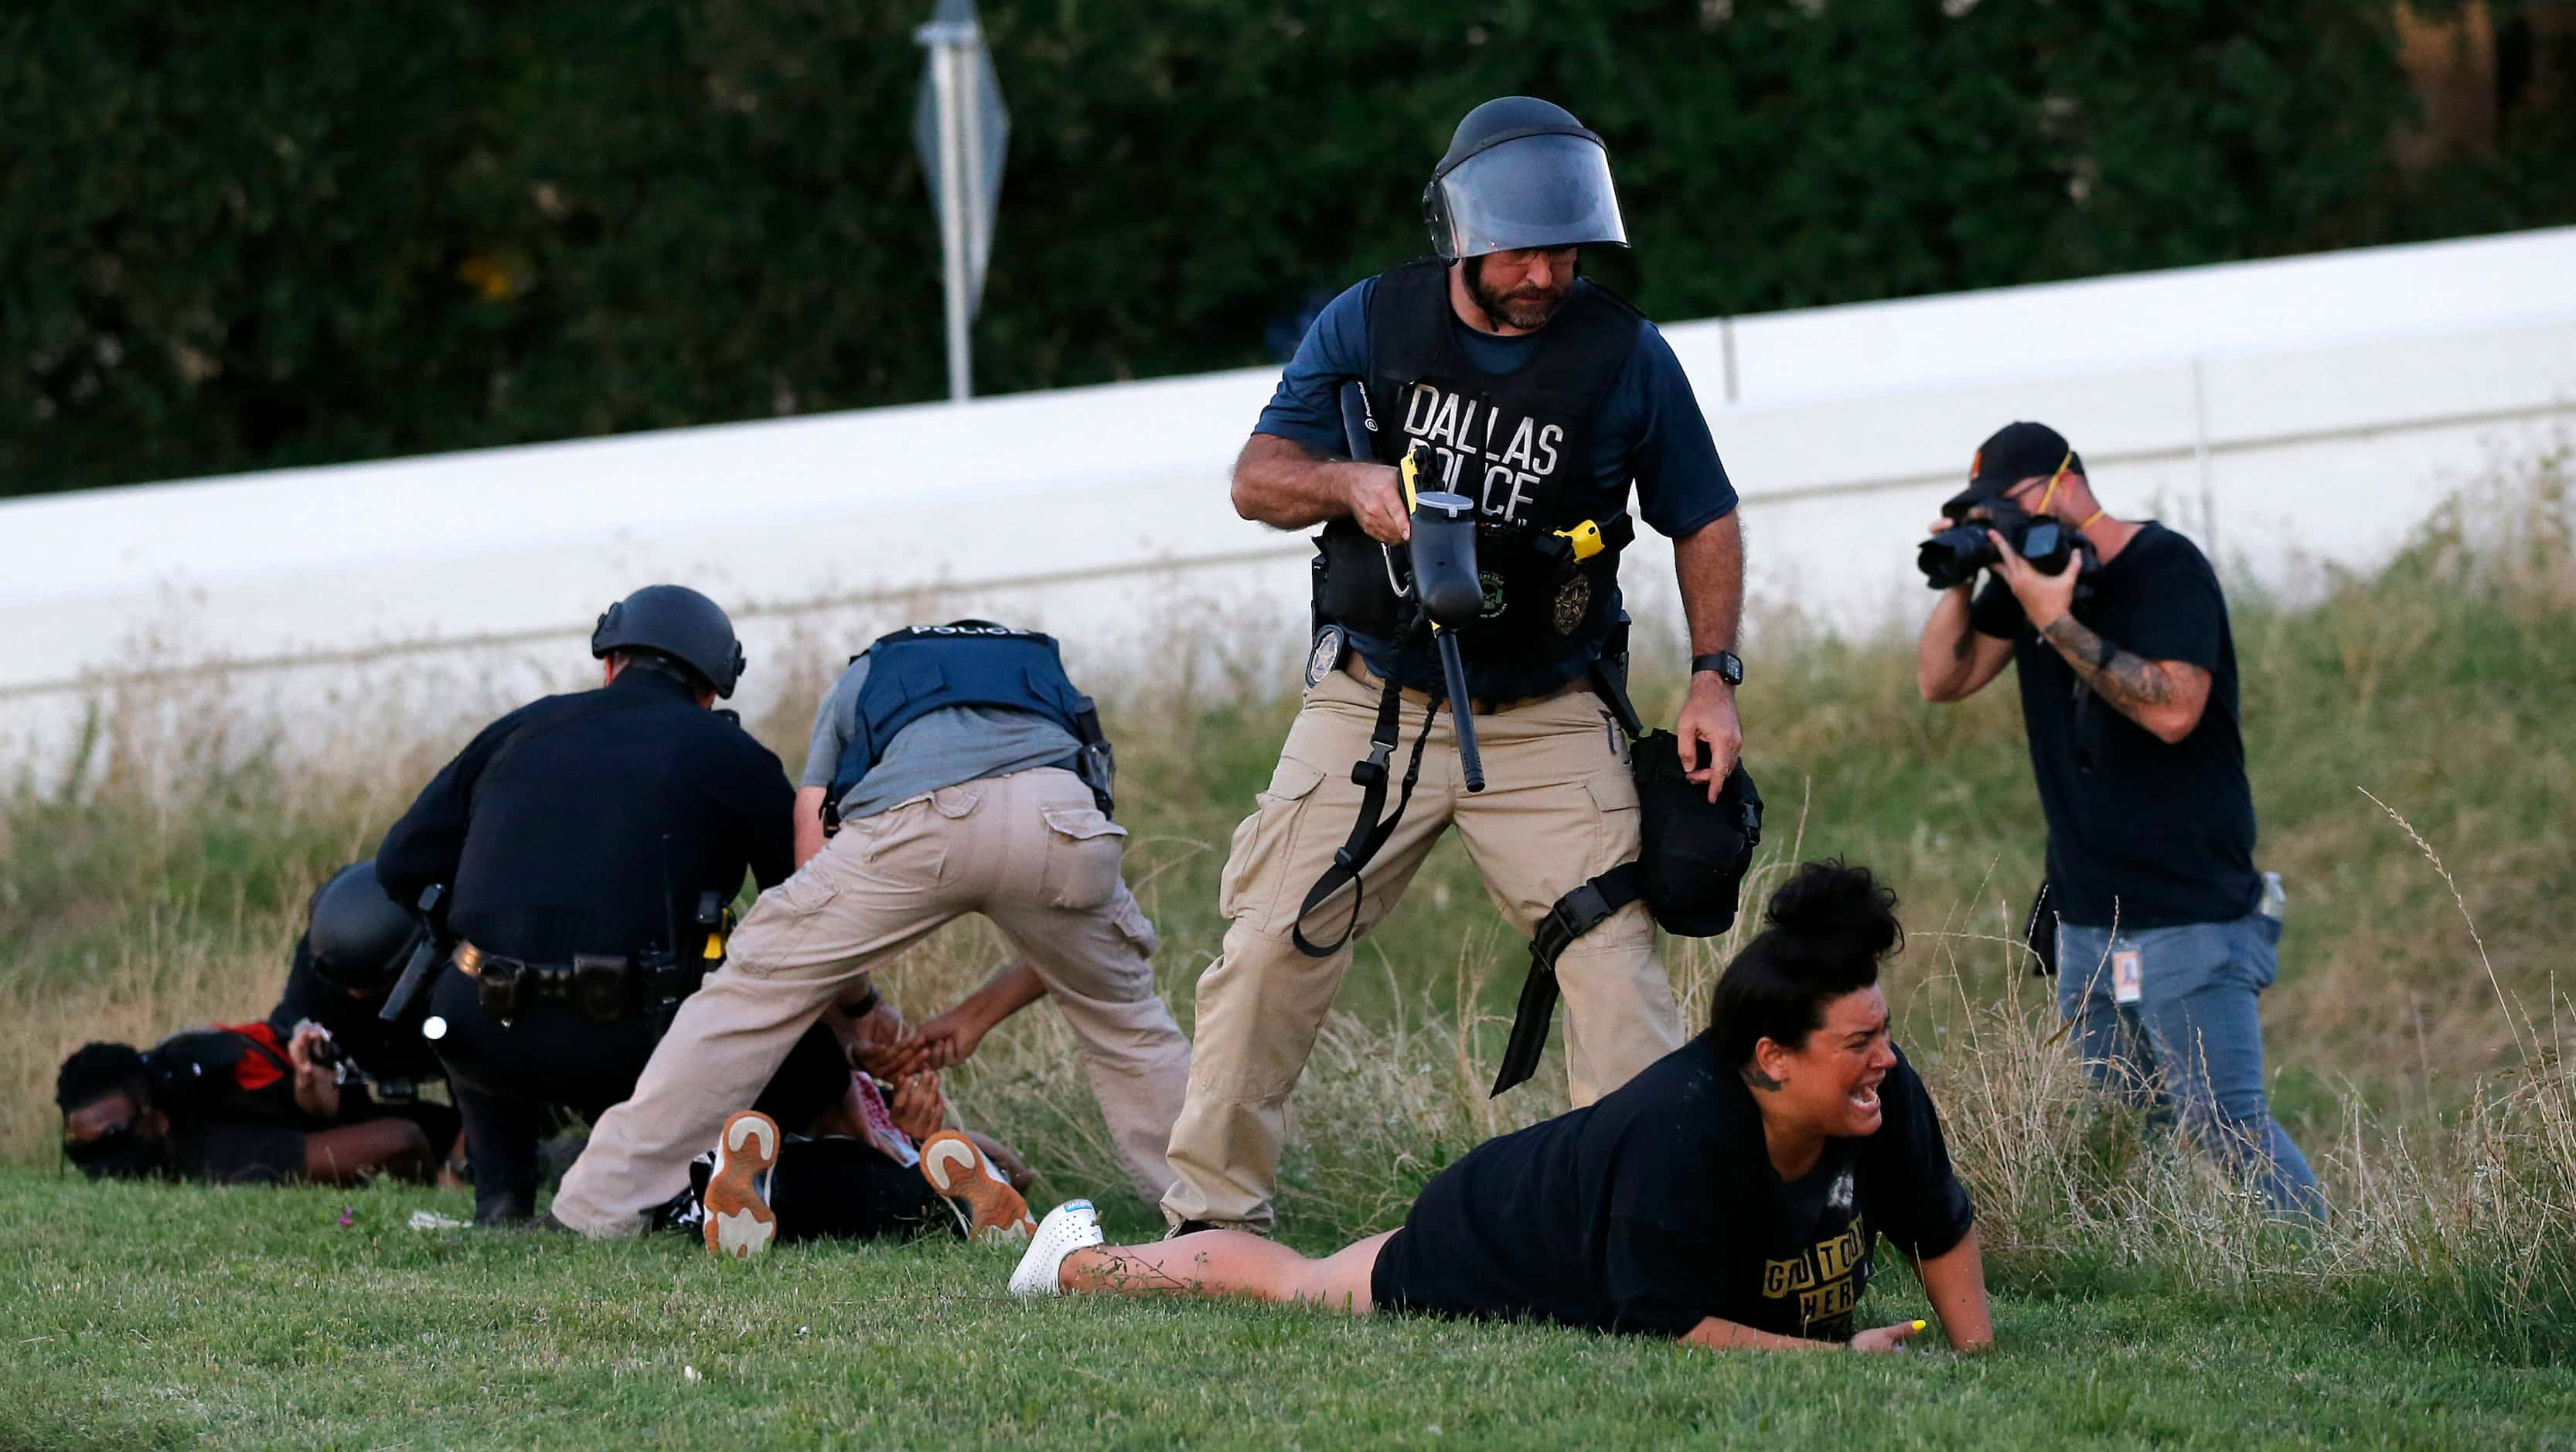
<point x="1731" y="1195"/>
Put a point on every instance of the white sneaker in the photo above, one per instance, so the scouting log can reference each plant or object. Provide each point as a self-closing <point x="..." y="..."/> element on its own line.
<point x="1067" y="1228"/>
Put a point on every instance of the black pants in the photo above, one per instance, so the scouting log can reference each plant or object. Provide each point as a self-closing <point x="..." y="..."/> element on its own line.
<point x="506" y="1076"/>
<point x="438" y="1121"/>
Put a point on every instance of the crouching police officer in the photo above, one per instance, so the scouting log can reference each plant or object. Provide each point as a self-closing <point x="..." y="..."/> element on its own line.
<point x="585" y="845"/>
<point x="959" y="771"/>
<point x="356" y="943"/>
<point x="1540" y="397"/>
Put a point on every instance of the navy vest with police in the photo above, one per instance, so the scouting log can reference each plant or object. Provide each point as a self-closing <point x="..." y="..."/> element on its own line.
<point x="977" y="663"/>
<point x="1519" y="444"/>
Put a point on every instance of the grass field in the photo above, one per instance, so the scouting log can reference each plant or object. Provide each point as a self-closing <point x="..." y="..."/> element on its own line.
<point x="2415" y="1039"/>
<point x="158" y="1317"/>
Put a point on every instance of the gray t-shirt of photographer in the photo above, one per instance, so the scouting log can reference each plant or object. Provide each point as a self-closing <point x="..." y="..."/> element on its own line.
<point x="941" y="749"/>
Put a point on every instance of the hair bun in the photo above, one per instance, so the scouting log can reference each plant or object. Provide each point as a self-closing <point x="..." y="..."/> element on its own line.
<point x="1830" y="911"/>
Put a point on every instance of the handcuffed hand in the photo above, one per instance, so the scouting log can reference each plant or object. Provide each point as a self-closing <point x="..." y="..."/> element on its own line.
<point x="1376" y="496"/>
<point x="916" y="1106"/>
<point x="1709" y="715"/>
<point x="2043" y="597"/>
<point x="875" y="1041"/>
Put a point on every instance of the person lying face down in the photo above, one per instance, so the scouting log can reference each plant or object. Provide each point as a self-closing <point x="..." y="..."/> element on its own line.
<point x="227" y="1105"/>
<point x="1731" y="1195"/>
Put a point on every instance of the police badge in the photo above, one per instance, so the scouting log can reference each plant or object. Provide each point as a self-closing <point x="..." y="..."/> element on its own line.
<point x="1573" y="599"/>
<point x="1330" y="644"/>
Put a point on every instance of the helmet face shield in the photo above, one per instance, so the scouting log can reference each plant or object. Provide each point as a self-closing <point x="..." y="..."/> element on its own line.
<point x="1532" y="191"/>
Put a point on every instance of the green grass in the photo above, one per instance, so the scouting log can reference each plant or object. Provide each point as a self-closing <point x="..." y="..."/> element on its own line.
<point x="167" y="1317"/>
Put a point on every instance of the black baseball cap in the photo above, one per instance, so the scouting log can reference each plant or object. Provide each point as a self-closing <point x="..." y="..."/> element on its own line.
<point x="2017" y="451"/>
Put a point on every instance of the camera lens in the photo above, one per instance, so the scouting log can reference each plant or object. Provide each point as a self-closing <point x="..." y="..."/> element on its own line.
<point x="1953" y="557"/>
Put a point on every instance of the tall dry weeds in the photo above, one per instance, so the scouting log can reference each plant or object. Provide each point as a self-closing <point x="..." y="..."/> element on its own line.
<point x="2418" y="1019"/>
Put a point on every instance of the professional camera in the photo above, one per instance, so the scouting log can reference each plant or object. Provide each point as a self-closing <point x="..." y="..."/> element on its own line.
<point x="1955" y="555"/>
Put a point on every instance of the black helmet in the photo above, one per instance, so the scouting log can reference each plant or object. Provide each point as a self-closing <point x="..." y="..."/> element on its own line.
<point x="360" y="938"/>
<point x="1521" y="172"/>
<point x="678" y="622"/>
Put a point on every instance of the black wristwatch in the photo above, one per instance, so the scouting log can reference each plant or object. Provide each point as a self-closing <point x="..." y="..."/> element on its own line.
<point x="864" y="1004"/>
<point x="1728" y="665"/>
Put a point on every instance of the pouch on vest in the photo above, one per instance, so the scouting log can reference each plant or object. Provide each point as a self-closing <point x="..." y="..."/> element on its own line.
<point x="1518" y="443"/>
<point x="1691" y="860"/>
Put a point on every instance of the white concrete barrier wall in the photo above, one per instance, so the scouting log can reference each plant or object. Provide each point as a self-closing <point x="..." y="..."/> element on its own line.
<point x="2317" y="406"/>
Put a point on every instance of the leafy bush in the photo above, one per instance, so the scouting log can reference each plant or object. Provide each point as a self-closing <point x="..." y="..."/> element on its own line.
<point x="238" y="235"/>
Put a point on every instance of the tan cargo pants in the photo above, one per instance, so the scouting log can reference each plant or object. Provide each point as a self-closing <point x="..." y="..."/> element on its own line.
<point x="1029" y="851"/>
<point x="1558" y="807"/>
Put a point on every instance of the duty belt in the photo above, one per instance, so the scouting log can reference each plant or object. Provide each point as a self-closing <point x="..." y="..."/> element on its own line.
<point x="603" y="988"/>
<point x="1358" y="669"/>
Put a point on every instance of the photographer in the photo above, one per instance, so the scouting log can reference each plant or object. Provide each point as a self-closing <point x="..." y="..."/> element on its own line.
<point x="2129" y="696"/>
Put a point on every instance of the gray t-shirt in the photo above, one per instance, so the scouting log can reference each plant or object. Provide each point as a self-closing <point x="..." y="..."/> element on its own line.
<point x="941" y="749"/>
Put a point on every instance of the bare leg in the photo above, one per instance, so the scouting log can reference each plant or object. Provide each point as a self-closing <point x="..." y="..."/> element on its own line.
<point x="1225" y="1263"/>
<point x="352" y="1152"/>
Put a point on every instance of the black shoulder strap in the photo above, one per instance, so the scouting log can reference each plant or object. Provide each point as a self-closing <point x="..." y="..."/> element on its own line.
<point x="1575" y="914"/>
<point x="1368" y="833"/>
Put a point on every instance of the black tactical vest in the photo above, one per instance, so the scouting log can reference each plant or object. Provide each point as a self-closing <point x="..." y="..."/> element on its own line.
<point x="1519" y="444"/>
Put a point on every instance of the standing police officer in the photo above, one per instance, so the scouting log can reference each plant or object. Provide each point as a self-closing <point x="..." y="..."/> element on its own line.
<point x="959" y="771"/>
<point x="587" y="843"/>
<point x="1541" y="397"/>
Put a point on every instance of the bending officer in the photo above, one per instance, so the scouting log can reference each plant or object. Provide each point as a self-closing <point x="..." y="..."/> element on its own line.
<point x="587" y="842"/>
<point x="1540" y="396"/>
<point x="957" y="770"/>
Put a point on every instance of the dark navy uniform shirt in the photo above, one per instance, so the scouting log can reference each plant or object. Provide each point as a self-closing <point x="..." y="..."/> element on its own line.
<point x="590" y="823"/>
<point x="1649" y="429"/>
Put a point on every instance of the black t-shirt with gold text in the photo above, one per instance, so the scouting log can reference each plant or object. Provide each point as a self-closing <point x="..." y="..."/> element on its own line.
<point x="1658" y="1207"/>
<point x="2141" y="832"/>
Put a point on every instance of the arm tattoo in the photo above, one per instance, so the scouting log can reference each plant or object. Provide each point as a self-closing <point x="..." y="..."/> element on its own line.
<point x="2130" y="682"/>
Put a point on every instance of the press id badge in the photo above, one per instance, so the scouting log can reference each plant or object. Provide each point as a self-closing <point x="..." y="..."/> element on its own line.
<point x="2127" y="977"/>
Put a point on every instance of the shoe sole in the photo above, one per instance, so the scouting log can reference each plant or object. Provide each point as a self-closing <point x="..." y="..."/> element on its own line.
<point x="740" y="1223"/>
<point x="996" y="1214"/>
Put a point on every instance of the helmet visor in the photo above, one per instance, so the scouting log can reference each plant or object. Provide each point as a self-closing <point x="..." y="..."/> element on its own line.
<point x="1536" y="191"/>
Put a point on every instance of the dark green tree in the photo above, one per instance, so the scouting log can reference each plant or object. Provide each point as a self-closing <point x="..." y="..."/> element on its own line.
<point x="237" y="236"/>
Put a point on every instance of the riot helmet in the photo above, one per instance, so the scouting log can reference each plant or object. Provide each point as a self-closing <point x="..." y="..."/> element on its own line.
<point x="359" y="936"/>
<point x="1521" y="172"/>
<point x="677" y="622"/>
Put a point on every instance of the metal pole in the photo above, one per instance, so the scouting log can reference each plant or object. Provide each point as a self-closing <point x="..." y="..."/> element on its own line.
<point x="970" y="164"/>
<point x="2200" y="456"/>
<point x="948" y="71"/>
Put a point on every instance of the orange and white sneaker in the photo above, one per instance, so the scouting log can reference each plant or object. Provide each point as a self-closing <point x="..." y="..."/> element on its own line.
<point x="994" y="1212"/>
<point x="740" y="1223"/>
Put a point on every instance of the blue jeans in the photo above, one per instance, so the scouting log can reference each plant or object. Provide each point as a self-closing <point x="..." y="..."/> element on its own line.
<point x="2190" y="1048"/>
